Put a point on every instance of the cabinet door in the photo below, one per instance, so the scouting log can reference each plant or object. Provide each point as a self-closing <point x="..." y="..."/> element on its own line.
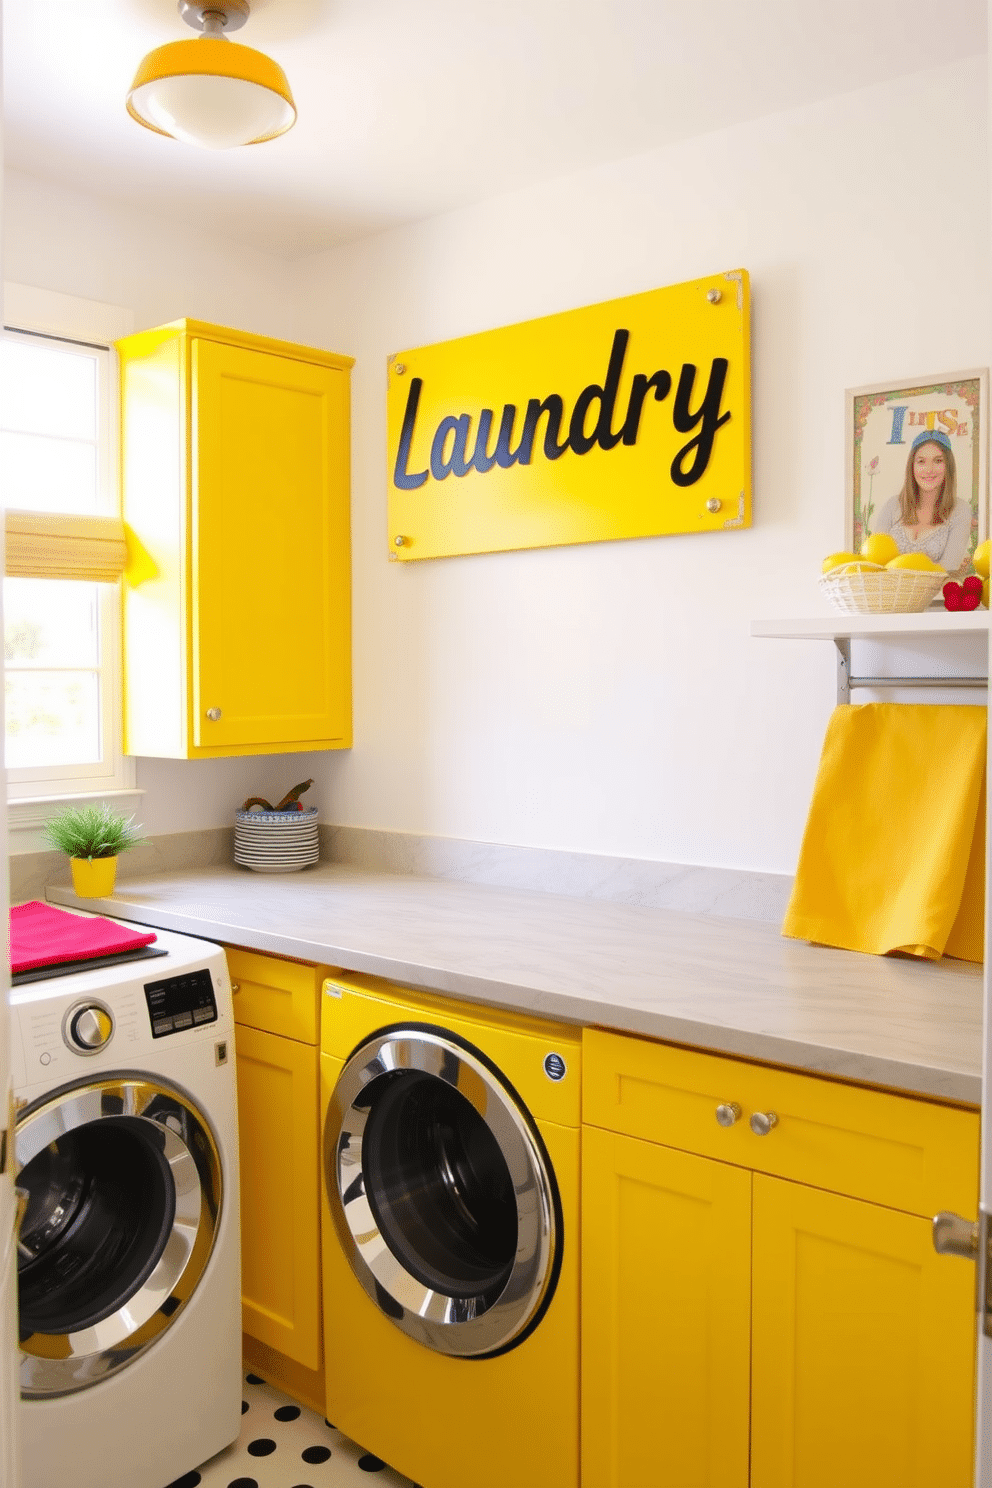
<point x="863" y="1353"/>
<point x="270" y="577"/>
<point x="665" y="1316"/>
<point x="280" y="1236"/>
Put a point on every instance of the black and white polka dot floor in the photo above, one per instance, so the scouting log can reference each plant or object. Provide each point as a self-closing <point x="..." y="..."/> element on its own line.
<point x="284" y="1445"/>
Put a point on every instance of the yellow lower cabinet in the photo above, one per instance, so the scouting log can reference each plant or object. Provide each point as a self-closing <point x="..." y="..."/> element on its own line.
<point x="280" y="1194"/>
<point x="770" y="1266"/>
<point x="863" y="1347"/>
<point x="666" y="1270"/>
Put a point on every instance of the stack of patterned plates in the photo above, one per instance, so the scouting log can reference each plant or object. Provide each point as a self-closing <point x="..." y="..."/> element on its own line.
<point x="276" y="841"/>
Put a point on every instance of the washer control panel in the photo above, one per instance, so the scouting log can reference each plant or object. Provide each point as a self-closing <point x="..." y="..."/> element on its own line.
<point x="179" y="1002"/>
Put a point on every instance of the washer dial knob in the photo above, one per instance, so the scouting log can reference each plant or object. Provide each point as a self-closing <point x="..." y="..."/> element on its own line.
<point x="90" y="1028"/>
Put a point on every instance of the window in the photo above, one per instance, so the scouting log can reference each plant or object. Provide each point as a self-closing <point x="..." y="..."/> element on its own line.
<point x="61" y="634"/>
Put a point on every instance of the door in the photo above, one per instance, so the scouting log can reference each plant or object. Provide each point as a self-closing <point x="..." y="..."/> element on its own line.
<point x="123" y="1186"/>
<point x="863" y="1353"/>
<point x="9" y="1456"/>
<point x="666" y="1278"/>
<point x="442" y="1192"/>
<point x="983" y="1444"/>
<point x="270" y="600"/>
<point x="280" y="1194"/>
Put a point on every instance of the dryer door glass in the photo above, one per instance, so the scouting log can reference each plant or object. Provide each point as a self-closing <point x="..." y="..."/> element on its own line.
<point x="442" y="1192"/>
<point x="122" y="1182"/>
<point x="439" y="1187"/>
<point x="101" y="1204"/>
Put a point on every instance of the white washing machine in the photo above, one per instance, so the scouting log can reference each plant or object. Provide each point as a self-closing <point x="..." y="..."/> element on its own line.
<point x="129" y="1250"/>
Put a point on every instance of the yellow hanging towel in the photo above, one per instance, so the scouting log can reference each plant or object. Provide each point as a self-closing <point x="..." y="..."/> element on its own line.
<point x="893" y="856"/>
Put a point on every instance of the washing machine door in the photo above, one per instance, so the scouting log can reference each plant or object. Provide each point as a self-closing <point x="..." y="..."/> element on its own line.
<point x="123" y="1185"/>
<point x="442" y="1192"/>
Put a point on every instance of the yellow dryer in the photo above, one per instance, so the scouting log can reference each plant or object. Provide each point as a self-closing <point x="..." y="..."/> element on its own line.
<point x="450" y="1156"/>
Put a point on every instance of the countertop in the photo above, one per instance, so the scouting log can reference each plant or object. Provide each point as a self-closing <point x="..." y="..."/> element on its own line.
<point x="733" y="986"/>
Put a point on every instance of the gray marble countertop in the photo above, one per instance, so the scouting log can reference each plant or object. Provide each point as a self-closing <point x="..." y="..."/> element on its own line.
<point x="733" y="986"/>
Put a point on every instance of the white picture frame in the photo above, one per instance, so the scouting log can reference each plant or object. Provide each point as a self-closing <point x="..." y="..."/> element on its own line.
<point x="883" y="420"/>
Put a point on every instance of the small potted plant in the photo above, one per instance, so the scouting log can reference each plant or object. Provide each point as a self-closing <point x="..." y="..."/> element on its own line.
<point x="92" y="837"/>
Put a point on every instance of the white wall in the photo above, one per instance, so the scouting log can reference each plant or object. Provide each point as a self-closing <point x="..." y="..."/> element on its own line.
<point x="605" y="698"/>
<point x="608" y="698"/>
<point x="79" y="245"/>
<point x="83" y="245"/>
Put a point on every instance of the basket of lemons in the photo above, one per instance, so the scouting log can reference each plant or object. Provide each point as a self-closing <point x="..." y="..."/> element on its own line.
<point x="880" y="580"/>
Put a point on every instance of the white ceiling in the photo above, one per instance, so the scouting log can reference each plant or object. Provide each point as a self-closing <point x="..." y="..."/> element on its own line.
<point x="410" y="107"/>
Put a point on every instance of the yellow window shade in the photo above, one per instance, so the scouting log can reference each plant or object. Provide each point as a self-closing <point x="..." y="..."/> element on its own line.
<point x="53" y="545"/>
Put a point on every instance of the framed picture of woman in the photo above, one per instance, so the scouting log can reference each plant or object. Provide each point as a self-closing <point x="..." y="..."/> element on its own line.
<point x="917" y="465"/>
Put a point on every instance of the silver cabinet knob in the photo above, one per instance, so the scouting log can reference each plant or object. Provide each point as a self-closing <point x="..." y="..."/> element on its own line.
<point x="91" y="1028"/>
<point x="214" y="715"/>
<point x="728" y="1113"/>
<point x="762" y="1122"/>
<point x="953" y="1235"/>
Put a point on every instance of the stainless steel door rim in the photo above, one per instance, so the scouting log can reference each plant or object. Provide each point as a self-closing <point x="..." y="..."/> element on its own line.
<point x="60" y="1361"/>
<point x="442" y="1195"/>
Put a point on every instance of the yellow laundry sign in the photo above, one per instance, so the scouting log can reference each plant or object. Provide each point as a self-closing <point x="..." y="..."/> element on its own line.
<point x="627" y="419"/>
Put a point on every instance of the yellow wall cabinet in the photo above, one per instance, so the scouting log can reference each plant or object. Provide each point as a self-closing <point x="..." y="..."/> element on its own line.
<point x="235" y="469"/>
<point x="765" y="1308"/>
<point x="276" y="1008"/>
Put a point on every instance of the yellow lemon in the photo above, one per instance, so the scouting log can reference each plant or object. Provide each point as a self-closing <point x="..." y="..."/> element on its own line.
<point x="836" y="559"/>
<point x="880" y="547"/>
<point x="981" y="558"/>
<point x="915" y="560"/>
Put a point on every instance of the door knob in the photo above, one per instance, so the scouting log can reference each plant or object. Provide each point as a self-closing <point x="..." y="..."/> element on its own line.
<point x="953" y="1235"/>
<point x="762" y="1122"/>
<point x="728" y="1113"/>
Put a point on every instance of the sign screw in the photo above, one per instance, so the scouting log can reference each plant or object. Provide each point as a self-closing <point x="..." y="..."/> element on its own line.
<point x="399" y="541"/>
<point x="714" y="504"/>
<point x="400" y="368"/>
<point x="713" y="295"/>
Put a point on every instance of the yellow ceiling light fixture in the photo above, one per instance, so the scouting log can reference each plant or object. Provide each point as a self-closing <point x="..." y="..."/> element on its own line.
<point x="211" y="91"/>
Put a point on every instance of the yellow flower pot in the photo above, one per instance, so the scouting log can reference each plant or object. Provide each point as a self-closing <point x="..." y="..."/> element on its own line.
<point x="93" y="878"/>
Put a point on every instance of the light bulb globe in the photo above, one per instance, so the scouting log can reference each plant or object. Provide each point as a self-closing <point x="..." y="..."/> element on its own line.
<point x="213" y="93"/>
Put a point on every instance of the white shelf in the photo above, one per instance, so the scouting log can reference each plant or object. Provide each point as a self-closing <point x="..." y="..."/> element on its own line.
<point x="872" y="627"/>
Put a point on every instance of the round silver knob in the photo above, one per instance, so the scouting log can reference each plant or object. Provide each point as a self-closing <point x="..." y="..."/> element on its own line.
<point x="91" y="1028"/>
<point x="728" y="1113"/>
<point x="400" y="541"/>
<point x="762" y="1122"/>
<point x="214" y="715"/>
<point x="714" y="504"/>
<point x="714" y="296"/>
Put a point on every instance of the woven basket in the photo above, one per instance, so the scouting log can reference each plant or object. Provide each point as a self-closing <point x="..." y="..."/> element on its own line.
<point x="886" y="591"/>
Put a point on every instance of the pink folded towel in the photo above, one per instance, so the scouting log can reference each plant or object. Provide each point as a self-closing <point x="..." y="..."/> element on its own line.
<point x="41" y="935"/>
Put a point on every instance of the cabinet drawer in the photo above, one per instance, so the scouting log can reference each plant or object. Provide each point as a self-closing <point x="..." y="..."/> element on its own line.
<point x="907" y="1154"/>
<point x="274" y="995"/>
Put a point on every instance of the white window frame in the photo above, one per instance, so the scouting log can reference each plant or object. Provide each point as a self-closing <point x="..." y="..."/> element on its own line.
<point x="32" y="792"/>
